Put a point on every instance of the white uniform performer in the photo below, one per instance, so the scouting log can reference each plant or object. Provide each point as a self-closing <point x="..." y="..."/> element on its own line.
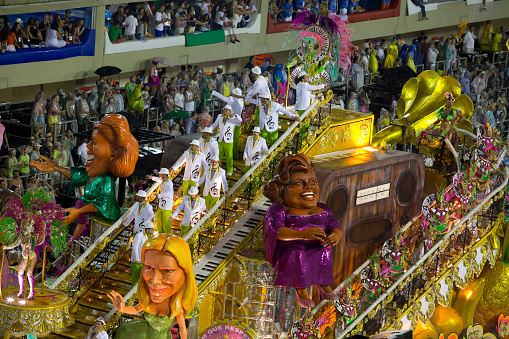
<point x="226" y="124"/>
<point x="195" y="161"/>
<point x="254" y="149"/>
<point x="165" y="202"/>
<point x="193" y="207"/>
<point x="303" y="93"/>
<point x="260" y="85"/>
<point x="236" y="103"/>
<point x="214" y="178"/>
<point x="209" y="148"/>
<point x="141" y="213"/>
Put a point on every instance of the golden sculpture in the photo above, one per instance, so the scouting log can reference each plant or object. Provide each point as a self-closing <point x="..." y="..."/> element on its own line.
<point x="446" y="320"/>
<point x="420" y="98"/>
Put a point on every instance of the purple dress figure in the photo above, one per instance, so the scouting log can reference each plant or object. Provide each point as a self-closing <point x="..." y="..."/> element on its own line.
<point x="298" y="231"/>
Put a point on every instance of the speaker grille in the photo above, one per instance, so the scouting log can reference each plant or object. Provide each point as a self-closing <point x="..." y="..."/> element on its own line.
<point x="338" y="201"/>
<point x="369" y="230"/>
<point x="407" y="187"/>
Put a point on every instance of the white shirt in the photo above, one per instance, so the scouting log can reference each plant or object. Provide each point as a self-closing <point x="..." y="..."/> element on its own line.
<point x="236" y="103"/>
<point x="248" y="18"/>
<point x="166" y="195"/>
<point x="167" y="16"/>
<point x="179" y="100"/>
<point x="252" y="154"/>
<point x="270" y="121"/>
<point x="82" y="152"/>
<point x="213" y="182"/>
<point x="226" y="129"/>
<point x="158" y="16"/>
<point x="219" y="15"/>
<point x="260" y="86"/>
<point x="138" y="241"/>
<point x="189" y="106"/>
<point x="209" y="148"/>
<point x="101" y="335"/>
<point x="304" y="95"/>
<point x="468" y="40"/>
<point x="130" y="25"/>
<point x="191" y="214"/>
<point x="193" y="167"/>
<point x="119" y="102"/>
<point x="206" y="8"/>
<point x="140" y="217"/>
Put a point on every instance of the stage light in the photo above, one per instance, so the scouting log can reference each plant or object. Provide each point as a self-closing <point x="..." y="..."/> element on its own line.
<point x="22" y="302"/>
<point x="10" y="300"/>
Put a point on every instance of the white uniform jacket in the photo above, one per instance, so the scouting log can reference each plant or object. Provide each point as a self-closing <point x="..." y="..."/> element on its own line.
<point x="254" y="153"/>
<point x="193" y="167"/>
<point x="191" y="215"/>
<point x="213" y="181"/>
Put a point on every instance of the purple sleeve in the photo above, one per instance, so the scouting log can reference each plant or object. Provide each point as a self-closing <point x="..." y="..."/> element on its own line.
<point x="331" y="219"/>
<point x="274" y="219"/>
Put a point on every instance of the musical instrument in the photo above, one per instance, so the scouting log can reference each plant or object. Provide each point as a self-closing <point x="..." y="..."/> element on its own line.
<point x="210" y="261"/>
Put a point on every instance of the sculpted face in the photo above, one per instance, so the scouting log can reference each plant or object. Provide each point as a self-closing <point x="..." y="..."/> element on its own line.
<point x="98" y="155"/>
<point x="302" y="192"/>
<point x="162" y="275"/>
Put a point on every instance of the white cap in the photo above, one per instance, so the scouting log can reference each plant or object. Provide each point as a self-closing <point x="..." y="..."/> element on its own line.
<point x="195" y="142"/>
<point x="256" y="129"/>
<point x="228" y="107"/>
<point x="301" y="74"/>
<point x="101" y="319"/>
<point x="207" y="130"/>
<point x="237" y="91"/>
<point x="193" y="190"/>
<point x="265" y="95"/>
<point x="141" y="194"/>
<point x="256" y="70"/>
<point x="149" y="224"/>
<point x="164" y="171"/>
<point x="19" y="20"/>
<point x="215" y="157"/>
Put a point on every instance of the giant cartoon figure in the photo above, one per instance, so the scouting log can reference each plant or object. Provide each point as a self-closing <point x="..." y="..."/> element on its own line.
<point x="298" y="231"/>
<point x="112" y="152"/>
<point x="167" y="290"/>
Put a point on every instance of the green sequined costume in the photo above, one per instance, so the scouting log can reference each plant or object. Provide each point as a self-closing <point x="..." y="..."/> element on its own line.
<point x="100" y="192"/>
<point x="152" y="327"/>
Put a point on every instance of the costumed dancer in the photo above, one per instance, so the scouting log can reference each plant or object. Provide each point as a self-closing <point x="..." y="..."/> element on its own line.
<point x="142" y="213"/>
<point x="112" y="152"/>
<point x="268" y="117"/>
<point x="33" y="222"/>
<point x="97" y="331"/>
<point x="304" y="97"/>
<point x="260" y="85"/>
<point x="167" y="290"/>
<point x="214" y="178"/>
<point x="236" y="101"/>
<point x="299" y="231"/>
<point x="226" y="123"/>
<point x="165" y="208"/>
<point x="138" y="242"/>
<point x="208" y="145"/>
<point x="256" y="147"/>
<point x="462" y="195"/>
<point x="194" y="161"/>
<point x="193" y="208"/>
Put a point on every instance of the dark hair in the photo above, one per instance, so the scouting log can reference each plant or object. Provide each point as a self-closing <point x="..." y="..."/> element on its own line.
<point x="183" y="68"/>
<point x="287" y="167"/>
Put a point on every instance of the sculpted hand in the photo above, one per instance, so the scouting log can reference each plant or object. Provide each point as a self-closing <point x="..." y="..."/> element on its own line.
<point x="47" y="165"/>
<point x="333" y="237"/>
<point x="117" y="300"/>
<point x="314" y="233"/>
<point x="73" y="214"/>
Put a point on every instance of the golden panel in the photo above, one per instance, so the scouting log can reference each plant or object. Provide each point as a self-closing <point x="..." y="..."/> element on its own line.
<point x="348" y="130"/>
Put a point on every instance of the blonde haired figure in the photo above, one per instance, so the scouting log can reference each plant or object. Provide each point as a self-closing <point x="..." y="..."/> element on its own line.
<point x="167" y="290"/>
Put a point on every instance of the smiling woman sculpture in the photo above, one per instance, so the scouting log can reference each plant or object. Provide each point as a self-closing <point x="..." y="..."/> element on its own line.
<point x="299" y="231"/>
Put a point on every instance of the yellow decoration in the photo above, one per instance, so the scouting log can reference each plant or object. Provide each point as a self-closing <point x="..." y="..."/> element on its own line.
<point x="425" y="331"/>
<point x="503" y="327"/>
<point x="477" y="332"/>
<point x="451" y="336"/>
<point x="446" y="320"/>
<point x="495" y="297"/>
<point x="467" y="300"/>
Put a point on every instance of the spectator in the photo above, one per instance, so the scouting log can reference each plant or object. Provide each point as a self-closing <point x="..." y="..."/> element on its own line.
<point x="398" y="62"/>
<point x="357" y="74"/>
<point x="107" y="16"/>
<point x="250" y="63"/>
<point x="479" y="84"/>
<point x="191" y="123"/>
<point x="469" y="40"/>
<point x="191" y="20"/>
<point x="119" y="100"/>
<point x="167" y="18"/>
<point x="189" y="103"/>
<point x="67" y="19"/>
<point x="54" y="114"/>
<point x="16" y="182"/>
<point x="465" y="83"/>
<point x="175" y="130"/>
<point x="34" y="34"/>
<point x="364" y="102"/>
<point x="35" y="156"/>
<point x="115" y="33"/>
<point x="274" y="10"/>
<point x="179" y="98"/>
<point x="229" y="25"/>
<point x="119" y="15"/>
<point x="432" y="57"/>
<point x="287" y="11"/>
<point x="24" y="160"/>
<point x="54" y="36"/>
<point x="39" y="110"/>
<point x="204" y="24"/>
<point x="220" y="17"/>
<point x="419" y="3"/>
<point x="159" y="27"/>
<point x="45" y="25"/>
<point x="353" y="103"/>
<point x="180" y="18"/>
<point x="130" y="26"/>
<point x="410" y="62"/>
<point x="12" y="162"/>
<point x="3" y="137"/>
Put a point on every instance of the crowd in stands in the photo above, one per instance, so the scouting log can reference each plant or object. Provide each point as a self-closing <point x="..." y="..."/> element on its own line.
<point x="52" y="31"/>
<point x="132" y="21"/>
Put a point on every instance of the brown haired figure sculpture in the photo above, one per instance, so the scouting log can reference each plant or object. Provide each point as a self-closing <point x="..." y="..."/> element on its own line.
<point x="298" y="231"/>
<point x="112" y="152"/>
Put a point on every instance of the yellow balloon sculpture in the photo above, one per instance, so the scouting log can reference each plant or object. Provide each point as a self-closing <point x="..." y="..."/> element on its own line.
<point x="425" y="331"/>
<point x="467" y="299"/>
<point x="446" y="320"/>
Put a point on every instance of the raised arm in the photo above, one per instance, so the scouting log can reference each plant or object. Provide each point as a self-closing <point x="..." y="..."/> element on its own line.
<point x="228" y="100"/>
<point x="251" y="101"/>
<point x="181" y="161"/>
